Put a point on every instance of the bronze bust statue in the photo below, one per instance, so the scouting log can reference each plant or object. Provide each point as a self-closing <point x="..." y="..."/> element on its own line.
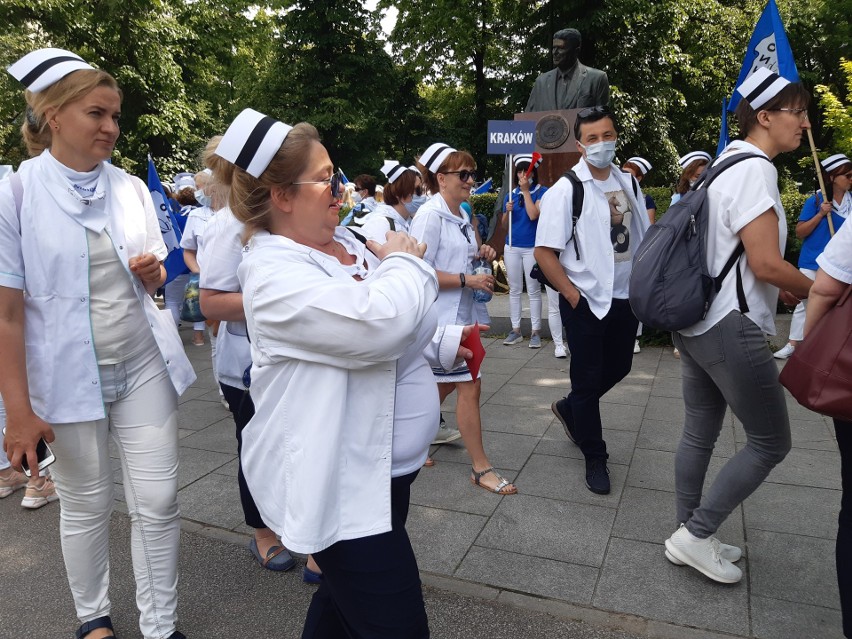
<point x="570" y="84"/>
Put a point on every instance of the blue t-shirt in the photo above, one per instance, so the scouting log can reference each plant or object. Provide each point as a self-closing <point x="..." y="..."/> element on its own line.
<point x="523" y="228"/>
<point x="814" y="244"/>
<point x="649" y="202"/>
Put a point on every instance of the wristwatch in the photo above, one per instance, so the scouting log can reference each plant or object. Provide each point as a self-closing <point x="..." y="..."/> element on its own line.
<point x="461" y="279"/>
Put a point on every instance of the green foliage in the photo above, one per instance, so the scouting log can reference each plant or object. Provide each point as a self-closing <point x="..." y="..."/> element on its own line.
<point x="483" y="204"/>
<point x="837" y="116"/>
<point x="662" y="196"/>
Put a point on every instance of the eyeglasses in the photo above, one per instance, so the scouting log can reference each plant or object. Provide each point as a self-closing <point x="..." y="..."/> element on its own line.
<point x="802" y="113"/>
<point x="464" y="174"/>
<point x="335" y="182"/>
<point x="590" y="111"/>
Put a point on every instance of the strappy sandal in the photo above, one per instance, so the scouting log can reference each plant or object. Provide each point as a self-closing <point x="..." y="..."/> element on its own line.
<point x="475" y="476"/>
<point x="94" y="624"/>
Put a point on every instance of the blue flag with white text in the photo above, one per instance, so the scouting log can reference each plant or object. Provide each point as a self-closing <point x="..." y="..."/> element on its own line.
<point x="168" y="225"/>
<point x="768" y="47"/>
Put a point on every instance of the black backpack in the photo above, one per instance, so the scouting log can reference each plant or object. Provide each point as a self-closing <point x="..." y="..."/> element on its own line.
<point x="670" y="285"/>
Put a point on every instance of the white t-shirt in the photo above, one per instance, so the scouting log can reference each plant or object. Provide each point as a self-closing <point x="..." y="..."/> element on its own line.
<point x="620" y="215"/>
<point x="836" y="259"/>
<point x="196" y="222"/>
<point x="736" y="198"/>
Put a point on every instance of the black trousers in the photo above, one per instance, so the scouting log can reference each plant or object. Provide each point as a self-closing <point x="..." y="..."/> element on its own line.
<point x="242" y="408"/>
<point x="843" y="551"/>
<point x="601" y="356"/>
<point x="371" y="586"/>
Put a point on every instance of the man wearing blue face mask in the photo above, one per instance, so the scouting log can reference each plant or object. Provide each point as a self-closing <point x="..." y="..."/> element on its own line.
<point x="587" y="255"/>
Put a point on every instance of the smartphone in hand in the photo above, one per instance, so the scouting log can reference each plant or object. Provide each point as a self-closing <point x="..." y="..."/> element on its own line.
<point x="43" y="453"/>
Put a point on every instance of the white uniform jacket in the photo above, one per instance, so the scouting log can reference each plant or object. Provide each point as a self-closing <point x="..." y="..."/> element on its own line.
<point x="317" y="454"/>
<point x="377" y="224"/>
<point x="45" y="253"/>
<point x="594" y="272"/>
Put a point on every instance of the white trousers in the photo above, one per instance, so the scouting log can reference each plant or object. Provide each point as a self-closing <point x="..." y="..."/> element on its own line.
<point x="797" y="324"/>
<point x="141" y="418"/>
<point x="4" y="461"/>
<point x="173" y="299"/>
<point x="519" y="262"/>
<point x="554" y="318"/>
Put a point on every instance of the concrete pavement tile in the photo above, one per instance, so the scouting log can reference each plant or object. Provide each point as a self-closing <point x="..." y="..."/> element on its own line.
<point x="665" y="409"/>
<point x="669" y="365"/>
<point x="491" y="384"/>
<point x="193" y="392"/>
<point x="657" y="435"/>
<point x="230" y="469"/>
<point x="649" y="515"/>
<point x="520" y="352"/>
<point x="803" y="467"/>
<point x="796" y="411"/>
<point x="213" y="500"/>
<point x="447" y="485"/>
<point x="549" y="528"/>
<point x="621" y="416"/>
<point x="802" y="432"/>
<point x="501" y="366"/>
<point x="541" y="377"/>
<point x="545" y="359"/>
<point x="637" y="579"/>
<point x="619" y="444"/>
<point x="798" y="510"/>
<point x="654" y="469"/>
<point x="667" y="387"/>
<point x="794" y="568"/>
<point x="523" y="395"/>
<point x="197" y="414"/>
<point x="505" y="450"/>
<point x="184" y="432"/>
<point x="195" y="464"/>
<point x="641" y="373"/>
<point x="441" y="538"/>
<point x="204" y="379"/>
<point x="626" y="392"/>
<point x="544" y="577"/>
<point x="219" y="437"/>
<point x="214" y="396"/>
<point x="521" y="420"/>
<point x="775" y="619"/>
<point x="563" y="478"/>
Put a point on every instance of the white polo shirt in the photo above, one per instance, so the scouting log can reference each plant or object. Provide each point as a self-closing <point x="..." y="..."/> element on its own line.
<point x="594" y="273"/>
<point x="836" y="259"/>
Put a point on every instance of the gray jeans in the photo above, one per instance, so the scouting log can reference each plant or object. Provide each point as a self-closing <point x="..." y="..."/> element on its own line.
<point x="729" y="365"/>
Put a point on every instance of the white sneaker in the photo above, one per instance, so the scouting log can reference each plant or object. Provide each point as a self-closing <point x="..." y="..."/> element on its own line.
<point x="636" y="348"/>
<point x="559" y="351"/>
<point x="12" y="482"/>
<point x="731" y="553"/>
<point x="513" y="338"/>
<point x="705" y="555"/>
<point x="446" y="435"/>
<point x="38" y="496"/>
<point x="784" y="353"/>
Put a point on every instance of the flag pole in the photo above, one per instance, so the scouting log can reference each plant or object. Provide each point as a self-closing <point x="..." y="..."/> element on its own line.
<point x="509" y="179"/>
<point x="819" y="177"/>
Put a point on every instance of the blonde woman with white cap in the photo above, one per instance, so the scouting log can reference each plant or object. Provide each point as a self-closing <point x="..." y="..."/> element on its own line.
<point x="80" y="237"/>
<point x="725" y="361"/>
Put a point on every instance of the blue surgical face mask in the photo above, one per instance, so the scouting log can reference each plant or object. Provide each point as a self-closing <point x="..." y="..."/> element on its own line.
<point x="416" y="202"/>
<point x="202" y="198"/>
<point x="600" y="154"/>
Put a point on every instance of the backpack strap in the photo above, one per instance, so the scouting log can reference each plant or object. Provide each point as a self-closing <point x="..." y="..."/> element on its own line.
<point x="17" y="192"/>
<point x="577" y="197"/>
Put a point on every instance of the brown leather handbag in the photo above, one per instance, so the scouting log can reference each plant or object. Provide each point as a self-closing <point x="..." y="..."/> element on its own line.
<point x="819" y="373"/>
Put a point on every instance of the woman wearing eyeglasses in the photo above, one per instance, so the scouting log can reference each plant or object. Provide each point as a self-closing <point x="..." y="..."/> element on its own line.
<point x="452" y="246"/>
<point x="814" y="231"/>
<point x="338" y="330"/>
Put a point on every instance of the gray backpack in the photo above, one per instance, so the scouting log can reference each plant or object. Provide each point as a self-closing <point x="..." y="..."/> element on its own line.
<point x="670" y="285"/>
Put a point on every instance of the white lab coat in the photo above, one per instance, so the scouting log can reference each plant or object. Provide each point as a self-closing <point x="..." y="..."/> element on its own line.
<point x="317" y="454"/>
<point x="45" y="253"/>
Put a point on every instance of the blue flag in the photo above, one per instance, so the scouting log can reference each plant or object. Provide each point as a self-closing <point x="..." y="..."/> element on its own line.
<point x="768" y="47"/>
<point x="483" y="188"/>
<point x="343" y="176"/>
<point x="724" y="138"/>
<point x="168" y="225"/>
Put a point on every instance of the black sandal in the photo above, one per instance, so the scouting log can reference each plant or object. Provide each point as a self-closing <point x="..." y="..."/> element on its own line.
<point x="94" y="624"/>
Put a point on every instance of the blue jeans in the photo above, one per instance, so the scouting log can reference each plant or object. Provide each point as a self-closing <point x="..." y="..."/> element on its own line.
<point x="729" y="365"/>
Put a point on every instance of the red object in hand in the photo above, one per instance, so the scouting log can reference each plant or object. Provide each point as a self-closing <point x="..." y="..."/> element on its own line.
<point x="536" y="156"/>
<point x="474" y="344"/>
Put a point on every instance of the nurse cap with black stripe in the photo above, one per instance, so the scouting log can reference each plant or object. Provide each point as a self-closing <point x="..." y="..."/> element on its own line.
<point x="692" y="156"/>
<point x="252" y="141"/>
<point x="526" y="157"/>
<point x="761" y="86"/>
<point x="43" y="68"/>
<point x="832" y="162"/>
<point x="434" y="156"/>
<point x="393" y="170"/>
<point x="642" y="163"/>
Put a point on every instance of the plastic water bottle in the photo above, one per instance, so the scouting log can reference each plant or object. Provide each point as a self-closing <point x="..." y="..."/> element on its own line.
<point x="478" y="295"/>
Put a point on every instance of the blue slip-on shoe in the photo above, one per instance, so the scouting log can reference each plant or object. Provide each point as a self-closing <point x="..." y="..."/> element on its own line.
<point x="310" y="576"/>
<point x="277" y="559"/>
<point x="94" y="624"/>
